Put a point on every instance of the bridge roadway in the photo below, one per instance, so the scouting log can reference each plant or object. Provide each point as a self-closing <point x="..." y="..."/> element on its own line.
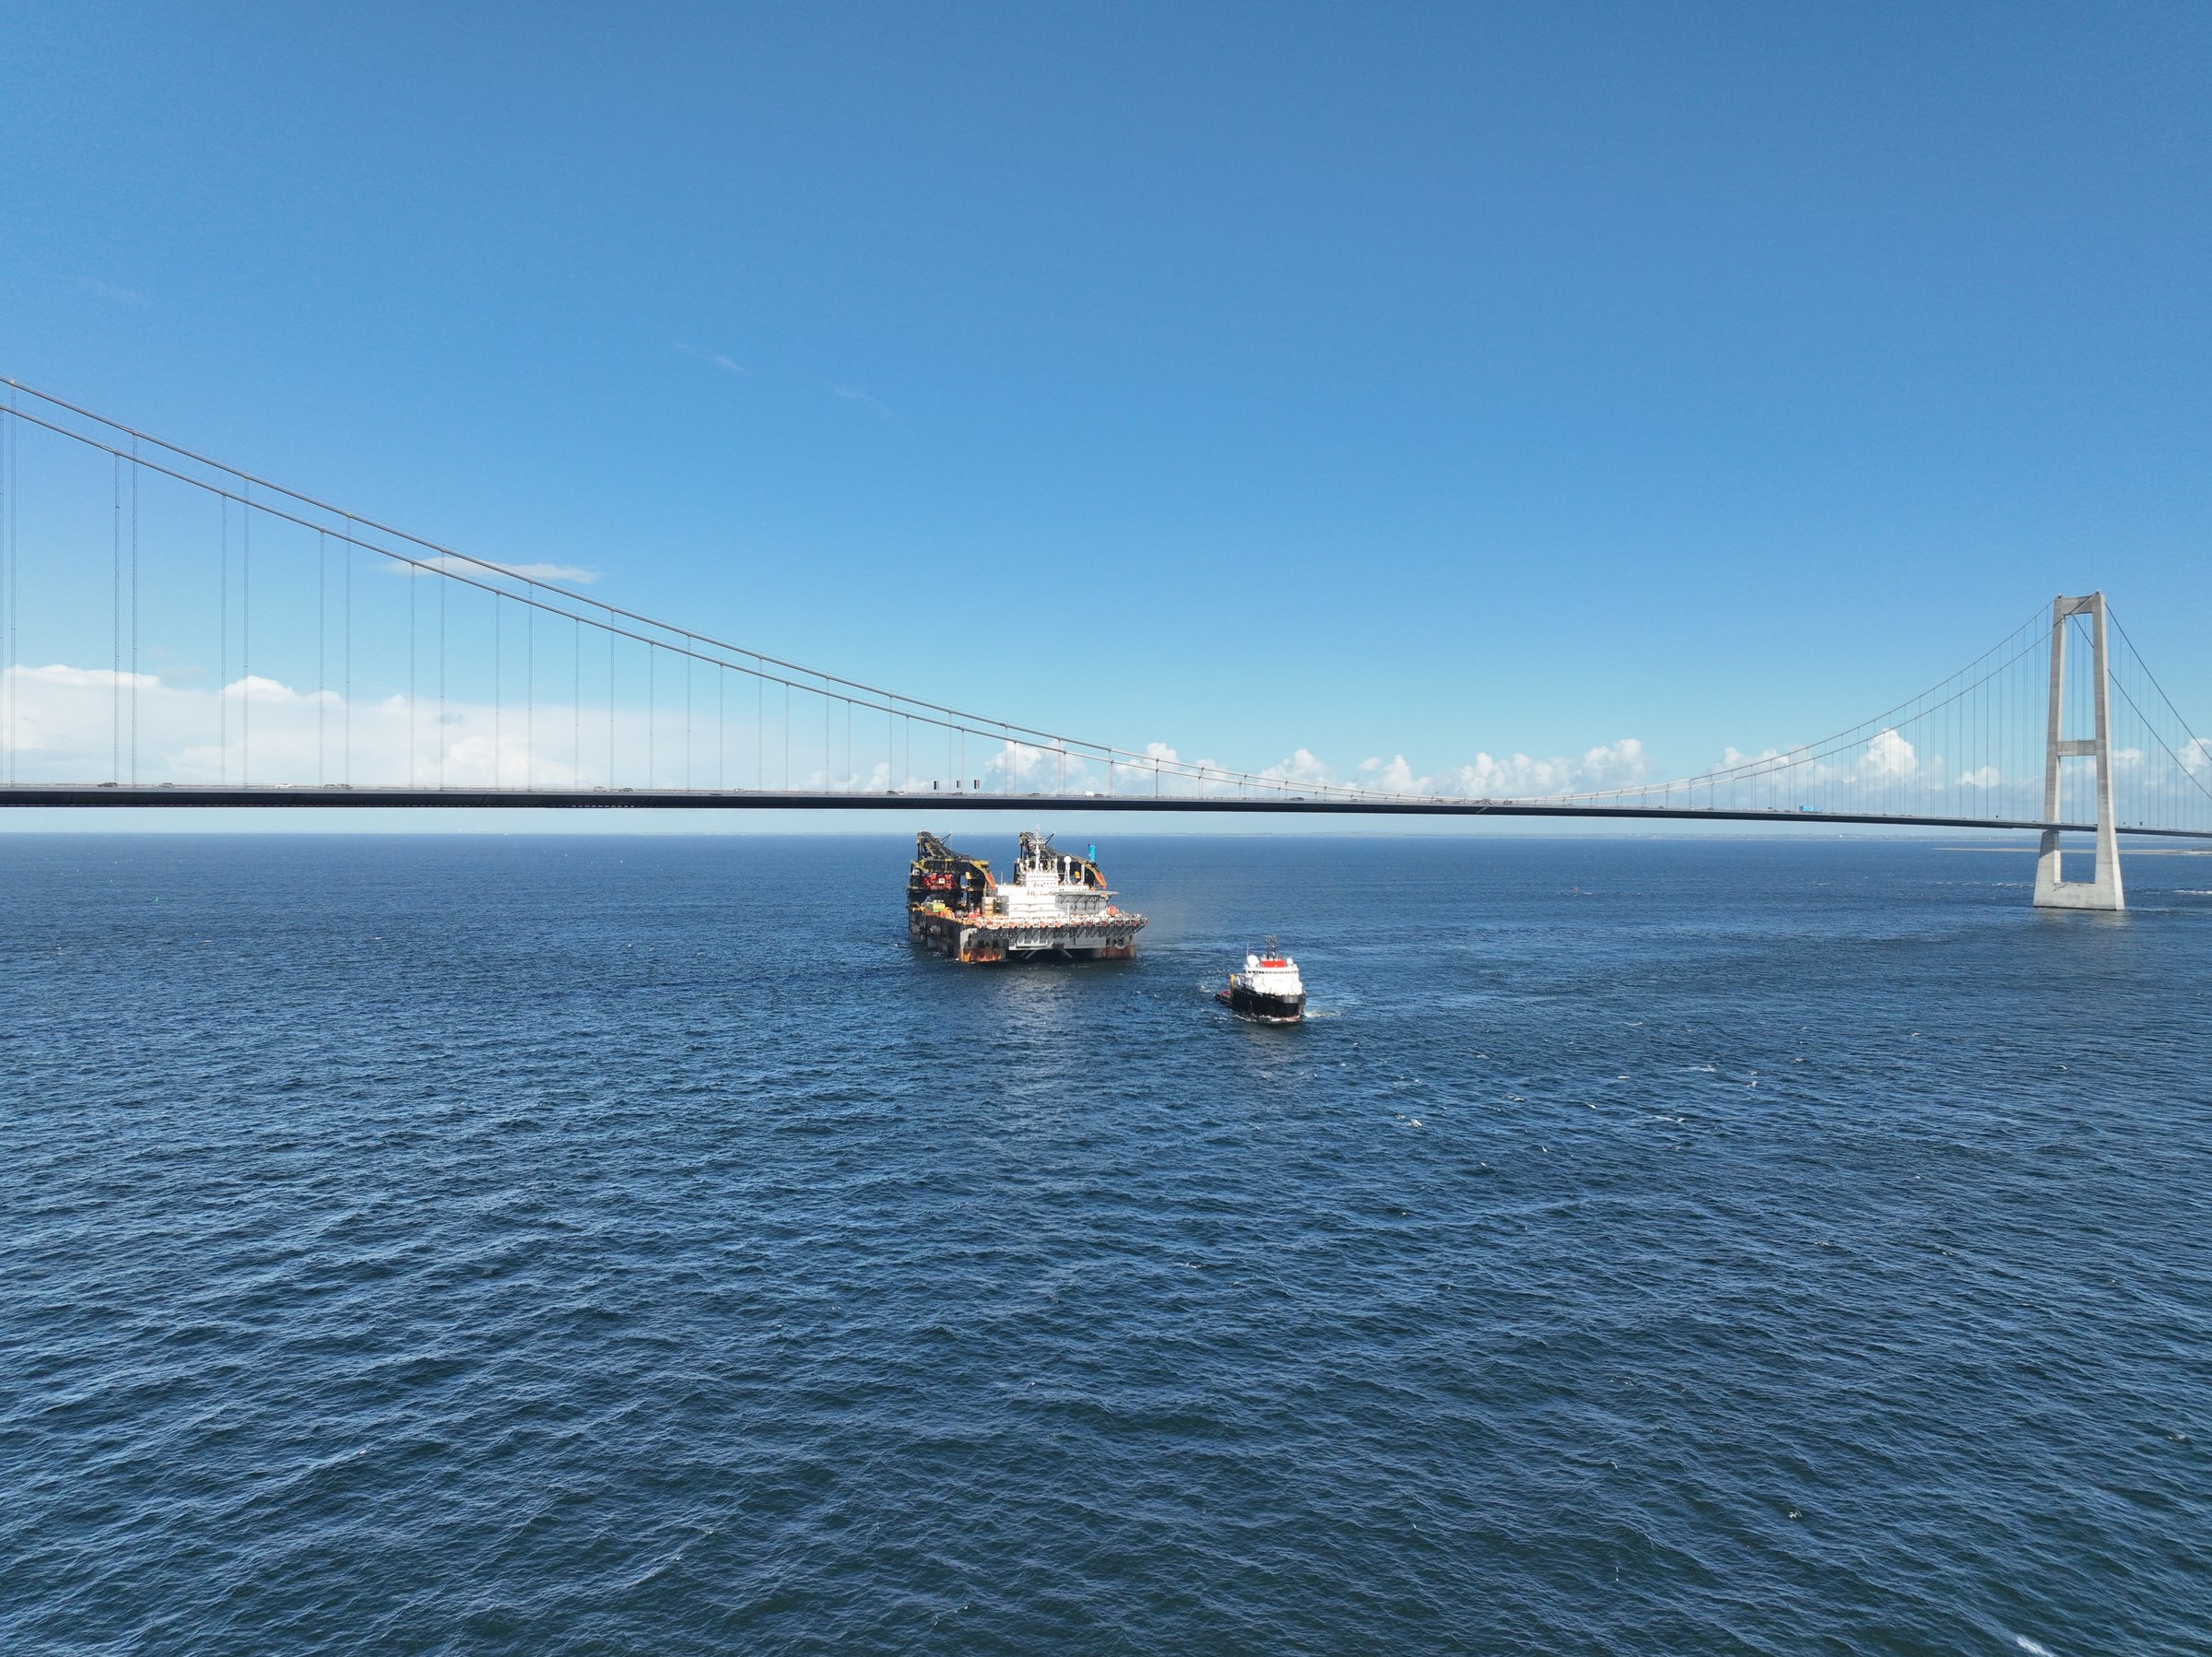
<point x="113" y="794"/>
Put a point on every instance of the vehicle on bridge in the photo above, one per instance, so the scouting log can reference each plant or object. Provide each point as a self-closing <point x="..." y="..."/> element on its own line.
<point x="1057" y="906"/>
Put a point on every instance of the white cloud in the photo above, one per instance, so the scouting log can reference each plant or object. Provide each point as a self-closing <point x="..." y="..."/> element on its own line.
<point x="109" y="291"/>
<point x="99" y="678"/>
<point x="1165" y="771"/>
<point x="1490" y="778"/>
<point x="711" y="358"/>
<point x="1300" y="768"/>
<point x="1516" y="776"/>
<point x="1391" y="776"/>
<point x="1017" y="768"/>
<point x="446" y="564"/>
<point x="874" y="404"/>
<point x="1615" y="765"/>
<point x="1888" y="755"/>
<point x="66" y="720"/>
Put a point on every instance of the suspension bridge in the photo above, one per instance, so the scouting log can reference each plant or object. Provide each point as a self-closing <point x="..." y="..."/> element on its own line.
<point x="128" y="561"/>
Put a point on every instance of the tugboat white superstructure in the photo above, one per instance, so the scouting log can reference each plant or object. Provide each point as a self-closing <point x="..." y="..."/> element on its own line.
<point x="1269" y="988"/>
<point x="1056" y="905"/>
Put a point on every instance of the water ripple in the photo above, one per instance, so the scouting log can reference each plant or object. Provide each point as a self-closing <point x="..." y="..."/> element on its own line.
<point x="550" y="1246"/>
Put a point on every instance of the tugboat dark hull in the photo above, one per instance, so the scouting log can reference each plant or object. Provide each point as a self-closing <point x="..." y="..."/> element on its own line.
<point x="1266" y="1009"/>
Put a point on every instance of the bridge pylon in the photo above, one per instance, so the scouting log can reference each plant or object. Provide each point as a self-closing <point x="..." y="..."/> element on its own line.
<point x="2052" y="890"/>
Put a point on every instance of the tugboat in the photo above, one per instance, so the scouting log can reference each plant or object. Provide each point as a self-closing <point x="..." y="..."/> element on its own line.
<point x="1268" y="991"/>
<point x="1057" y="907"/>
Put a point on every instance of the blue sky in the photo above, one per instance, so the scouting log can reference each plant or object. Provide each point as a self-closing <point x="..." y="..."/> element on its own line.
<point x="1369" y="379"/>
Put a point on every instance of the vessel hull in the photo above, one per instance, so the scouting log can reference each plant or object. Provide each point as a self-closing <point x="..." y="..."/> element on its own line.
<point x="1262" y="1008"/>
<point x="979" y="941"/>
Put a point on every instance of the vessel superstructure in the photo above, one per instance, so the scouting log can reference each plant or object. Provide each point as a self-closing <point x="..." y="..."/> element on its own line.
<point x="1054" y="904"/>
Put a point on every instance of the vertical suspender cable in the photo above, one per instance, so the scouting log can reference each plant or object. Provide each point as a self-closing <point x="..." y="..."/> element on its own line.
<point x="134" y="611"/>
<point x="346" y="703"/>
<point x="7" y="581"/>
<point x="2144" y="793"/>
<point x="245" y="635"/>
<point x="8" y="611"/>
<point x="15" y="557"/>
<point x="442" y="744"/>
<point x="2129" y="806"/>
<point x="321" y="653"/>
<point x="115" y="625"/>
<point x="222" y="669"/>
<point x="530" y="684"/>
<point x="7" y="608"/>
<point x="14" y="591"/>
<point x="2137" y="806"/>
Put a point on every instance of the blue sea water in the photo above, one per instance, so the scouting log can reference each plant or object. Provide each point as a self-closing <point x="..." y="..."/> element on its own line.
<point x="606" y="1244"/>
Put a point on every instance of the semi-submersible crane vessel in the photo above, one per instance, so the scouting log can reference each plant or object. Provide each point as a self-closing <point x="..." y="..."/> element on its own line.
<point x="1056" y="905"/>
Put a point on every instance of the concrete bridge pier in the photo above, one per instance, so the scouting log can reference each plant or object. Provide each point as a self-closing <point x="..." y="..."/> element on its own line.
<point x="2052" y="890"/>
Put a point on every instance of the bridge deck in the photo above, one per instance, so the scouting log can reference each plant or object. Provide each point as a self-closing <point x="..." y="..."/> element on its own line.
<point x="106" y="794"/>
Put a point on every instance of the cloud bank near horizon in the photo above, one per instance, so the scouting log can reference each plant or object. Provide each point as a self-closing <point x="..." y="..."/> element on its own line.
<point x="63" y="723"/>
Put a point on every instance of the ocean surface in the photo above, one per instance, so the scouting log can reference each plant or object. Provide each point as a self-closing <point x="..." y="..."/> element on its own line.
<point x="622" y="1244"/>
